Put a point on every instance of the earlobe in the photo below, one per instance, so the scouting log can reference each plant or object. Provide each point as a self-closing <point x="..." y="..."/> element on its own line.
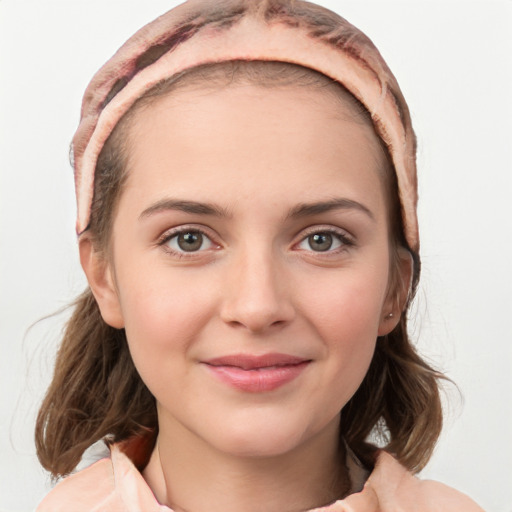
<point x="100" y="278"/>
<point x="398" y="293"/>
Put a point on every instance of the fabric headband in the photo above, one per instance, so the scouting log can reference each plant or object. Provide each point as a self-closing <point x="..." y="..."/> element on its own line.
<point x="208" y="31"/>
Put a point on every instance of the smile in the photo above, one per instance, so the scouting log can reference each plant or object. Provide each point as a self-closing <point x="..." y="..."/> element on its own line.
<point x="257" y="374"/>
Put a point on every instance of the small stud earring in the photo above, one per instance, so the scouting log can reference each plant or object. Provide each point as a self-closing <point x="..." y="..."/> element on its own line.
<point x="389" y="316"/>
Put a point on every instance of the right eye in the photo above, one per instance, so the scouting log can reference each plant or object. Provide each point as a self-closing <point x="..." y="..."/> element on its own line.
<point x="188" y="240"/>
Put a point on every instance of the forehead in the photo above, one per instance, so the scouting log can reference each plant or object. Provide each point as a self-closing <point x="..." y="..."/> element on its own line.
<point x="247" y="139"/>
<point x="264" y="74"/>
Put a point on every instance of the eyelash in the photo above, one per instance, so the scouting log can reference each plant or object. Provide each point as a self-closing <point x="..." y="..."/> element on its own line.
<point x="342" y="237"/>
<point x="346" y="241"/>
<point x="169" y="235"/>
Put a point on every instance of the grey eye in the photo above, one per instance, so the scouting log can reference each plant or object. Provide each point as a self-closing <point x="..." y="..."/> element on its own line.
<point x="320" y="241"/>
<point x="189" y="241"/>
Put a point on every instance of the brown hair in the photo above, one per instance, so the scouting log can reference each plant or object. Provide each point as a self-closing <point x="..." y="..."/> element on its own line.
<point x="96" y="392"/>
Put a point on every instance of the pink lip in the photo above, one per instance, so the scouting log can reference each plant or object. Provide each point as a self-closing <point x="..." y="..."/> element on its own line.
<point x="257" y="374"/>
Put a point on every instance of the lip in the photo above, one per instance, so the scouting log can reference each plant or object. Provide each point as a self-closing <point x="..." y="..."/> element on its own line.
<point x="256" y="373"/>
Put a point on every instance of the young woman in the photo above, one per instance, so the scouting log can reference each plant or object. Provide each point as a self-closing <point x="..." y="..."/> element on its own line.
<point x="246" y="187"/>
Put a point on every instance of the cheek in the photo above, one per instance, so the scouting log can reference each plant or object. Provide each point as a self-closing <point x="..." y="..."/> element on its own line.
<point x="163" y="315"/>
<point x="347" y="306"/>
<point x="346" y="316"/>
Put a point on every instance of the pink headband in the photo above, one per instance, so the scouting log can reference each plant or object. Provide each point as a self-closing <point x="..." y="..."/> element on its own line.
<point x="207" y="31"/>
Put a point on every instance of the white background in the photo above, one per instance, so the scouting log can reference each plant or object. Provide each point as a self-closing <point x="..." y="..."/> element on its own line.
<point x="453" y="61"/>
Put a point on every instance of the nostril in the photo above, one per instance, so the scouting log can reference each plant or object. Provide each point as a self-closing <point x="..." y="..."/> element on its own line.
<point x="257" y="322"/>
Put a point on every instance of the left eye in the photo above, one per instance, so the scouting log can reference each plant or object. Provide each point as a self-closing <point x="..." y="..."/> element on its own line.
<point x="189" y="241"/>
<point x="321" y="242"/>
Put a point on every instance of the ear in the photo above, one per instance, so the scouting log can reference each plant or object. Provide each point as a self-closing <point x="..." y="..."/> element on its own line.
<point x="100" y="278"/>
<point x="398" y="292"/>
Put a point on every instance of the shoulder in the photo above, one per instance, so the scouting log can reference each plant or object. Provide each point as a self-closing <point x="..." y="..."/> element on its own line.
<point x="91" y="489"/>
<point x="112" y="484"/>
<point x="396" y="489"/>
<point x="391" y="488"/>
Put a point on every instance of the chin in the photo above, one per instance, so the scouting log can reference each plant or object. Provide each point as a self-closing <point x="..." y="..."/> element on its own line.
<point x="260" y="445"/>
<point x="263" y="438"/>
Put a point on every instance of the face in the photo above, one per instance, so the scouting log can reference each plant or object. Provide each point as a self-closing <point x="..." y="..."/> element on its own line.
<point x="250" y="263"/>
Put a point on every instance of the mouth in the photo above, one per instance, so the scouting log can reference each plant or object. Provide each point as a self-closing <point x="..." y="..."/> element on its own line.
<point x="257" y="373"/>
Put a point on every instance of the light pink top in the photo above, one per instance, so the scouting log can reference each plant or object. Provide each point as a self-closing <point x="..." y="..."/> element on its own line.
<point x="115" y="485"/>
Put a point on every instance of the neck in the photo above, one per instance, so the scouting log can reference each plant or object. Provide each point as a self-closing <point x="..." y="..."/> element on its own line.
<point x="188" y="475"/>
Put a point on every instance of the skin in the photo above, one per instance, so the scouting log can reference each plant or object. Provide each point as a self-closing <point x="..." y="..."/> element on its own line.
<point x="256" y="285"/>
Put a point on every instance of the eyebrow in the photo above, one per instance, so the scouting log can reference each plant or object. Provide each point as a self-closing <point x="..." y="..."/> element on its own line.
<point x="194" y="207"/>
<point x="307" y="209"/>
<point x="301" y="210"/>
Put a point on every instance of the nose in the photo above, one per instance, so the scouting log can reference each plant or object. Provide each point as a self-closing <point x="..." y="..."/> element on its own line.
<point x="257" y="294"/>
